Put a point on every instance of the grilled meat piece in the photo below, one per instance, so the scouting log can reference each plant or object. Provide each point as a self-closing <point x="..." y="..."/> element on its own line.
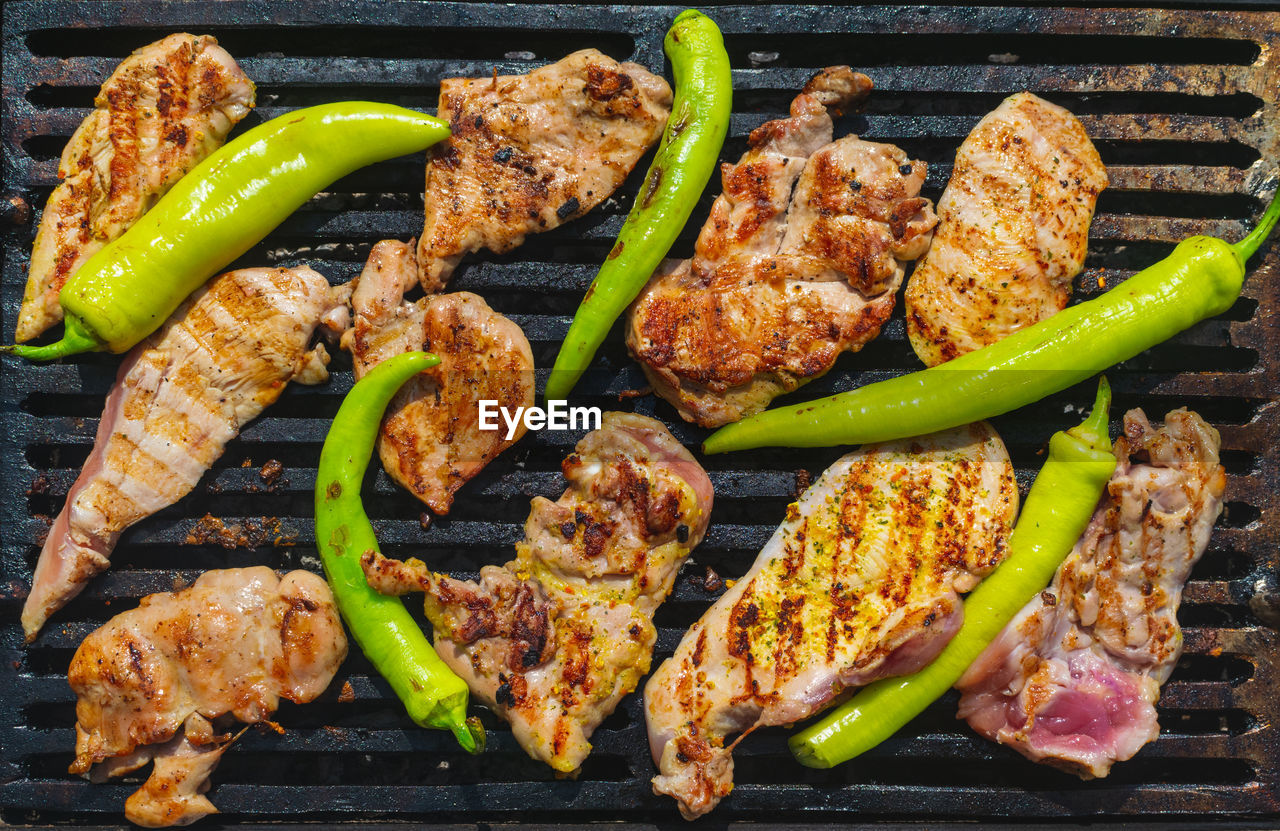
<point x="431" y="441"/>
<point x="1073" y="680"/>
<point x="554" y="639"/>
<point x="1013" y="233"/>
<point x="800" y="261"/>
<point x="530" y="152"/>
<point x="179" y="397"/>
<point x="165" y="108"/>
<point x="150" y="682"/>
<point x="861" y="581"/>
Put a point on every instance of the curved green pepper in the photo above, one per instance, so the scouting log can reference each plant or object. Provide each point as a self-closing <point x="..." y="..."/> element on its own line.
<point x="388" y="635"/>
<point x="220" y="210"/>
<point x="685" y="161"/>
<point x="1057" y="510"/>
<point x="1201" y="278"/>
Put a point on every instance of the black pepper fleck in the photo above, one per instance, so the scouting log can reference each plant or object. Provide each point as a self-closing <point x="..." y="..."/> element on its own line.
<point x="569" y="208"/>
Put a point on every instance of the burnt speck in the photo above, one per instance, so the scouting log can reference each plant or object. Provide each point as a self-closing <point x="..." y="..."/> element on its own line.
<point x="682" y="532"/>
<point x="271" y="471"/>
<point x="855" y="186"/>
<point x="503" y="156"/>
<point x="478" y="123"/>
<point x="904" y="169"/>
<point x="424" y="520"/>
<point x="531" y="170"/>
<point x="569" y="208"/>
<point x="709" y="582"/>
<point x="503" y="695"/>
<point x="15" y="210"/>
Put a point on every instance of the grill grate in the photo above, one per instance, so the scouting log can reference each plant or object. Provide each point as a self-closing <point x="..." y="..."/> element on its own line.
<point x="1181" y="105"/>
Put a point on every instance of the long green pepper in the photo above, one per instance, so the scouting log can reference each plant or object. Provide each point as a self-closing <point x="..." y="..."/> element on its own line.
<point x="1062" y="499"/>
<point x="1201" y="278"/>
<point x="218" y="211"/>
<point x="390" y="638"/>
<point x="685" y="160"/>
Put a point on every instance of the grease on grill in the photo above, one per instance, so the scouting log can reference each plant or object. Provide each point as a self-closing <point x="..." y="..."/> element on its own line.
<point x="252" y="533"/>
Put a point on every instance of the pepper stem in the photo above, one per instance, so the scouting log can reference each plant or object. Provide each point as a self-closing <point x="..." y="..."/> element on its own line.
<point x="1247" y="246"/>
<point x="76" y="338"/>
<point x="1093" y="430"/>
<point x="470" y="735"/>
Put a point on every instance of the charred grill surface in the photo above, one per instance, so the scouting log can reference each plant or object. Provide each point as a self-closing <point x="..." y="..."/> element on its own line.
<point x="1180" y="104"/>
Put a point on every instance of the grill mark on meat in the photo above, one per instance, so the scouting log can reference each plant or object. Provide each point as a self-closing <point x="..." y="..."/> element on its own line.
<point x="148" y="681"/>
<point x="1072" y="681"/>
<point x="1014" y="230"/>
<point x="605" y="85"/>
<point x="227" y="353"/>
<point x="529" y="152"/>
<point x="568" y="622"/>
<point x="857" y="584"/>
<point x="792" y="268"/>
<point x="431" y="441"/>
<point x="142" y="136"/>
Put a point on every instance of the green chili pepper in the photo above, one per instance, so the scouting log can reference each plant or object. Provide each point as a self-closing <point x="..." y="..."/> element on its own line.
<point x="686" y="158"/>
<point x="388" y="635"/>
<point x="220" y="210"/>
<point x="1201" y="278"/>
<point x="1061" y="501"/>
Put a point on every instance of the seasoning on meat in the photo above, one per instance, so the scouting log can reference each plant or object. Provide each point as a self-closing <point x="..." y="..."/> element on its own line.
<point x="164" y="109"/>
<point x="1013" y="233"/>
<point x="530" y="152"/>
<point x="1073" y="680"/>
<point x="179" y="397"/>
<point x="431" y="441"/>
<point x="554" y="639"/>
<point x="799" y="261"/>
<point x="161" y="681"/>
<point x="861" y="581"/>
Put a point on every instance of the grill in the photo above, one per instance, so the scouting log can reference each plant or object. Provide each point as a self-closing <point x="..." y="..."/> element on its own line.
<point x="1181" y="103"/>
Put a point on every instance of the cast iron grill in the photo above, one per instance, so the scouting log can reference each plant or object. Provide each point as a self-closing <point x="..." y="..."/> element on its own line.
<point x="1181" y="105"/>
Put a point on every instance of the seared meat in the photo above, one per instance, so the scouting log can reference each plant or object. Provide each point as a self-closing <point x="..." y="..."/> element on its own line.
<point x="431" y="441"/>
<point x="179" y="397"/>
<point x="530" y="152"/>
<point x="861" y="581"/>
<point x="165" y="108"/>
<point x="1073" y="680"/>
<point x="799" y="261"/>
<point x="1014" y="230"/>
<point x="554" y="639"/>
<point x="151" y="681"/>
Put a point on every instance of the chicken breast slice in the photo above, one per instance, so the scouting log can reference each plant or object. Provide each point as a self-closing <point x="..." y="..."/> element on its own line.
<point x="180" y="396"/>
<point x="861" y="581"/>
<point x="431" y="441"/>
<point x="553" y="640"/>
<point x="150" y="681"/>
<point x="530" y="152"/>
<point x="1074" y="678"/>
<point x="799" y="261"/>
<point x="164" y="109"/>
<point x="1013" y="233"/>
